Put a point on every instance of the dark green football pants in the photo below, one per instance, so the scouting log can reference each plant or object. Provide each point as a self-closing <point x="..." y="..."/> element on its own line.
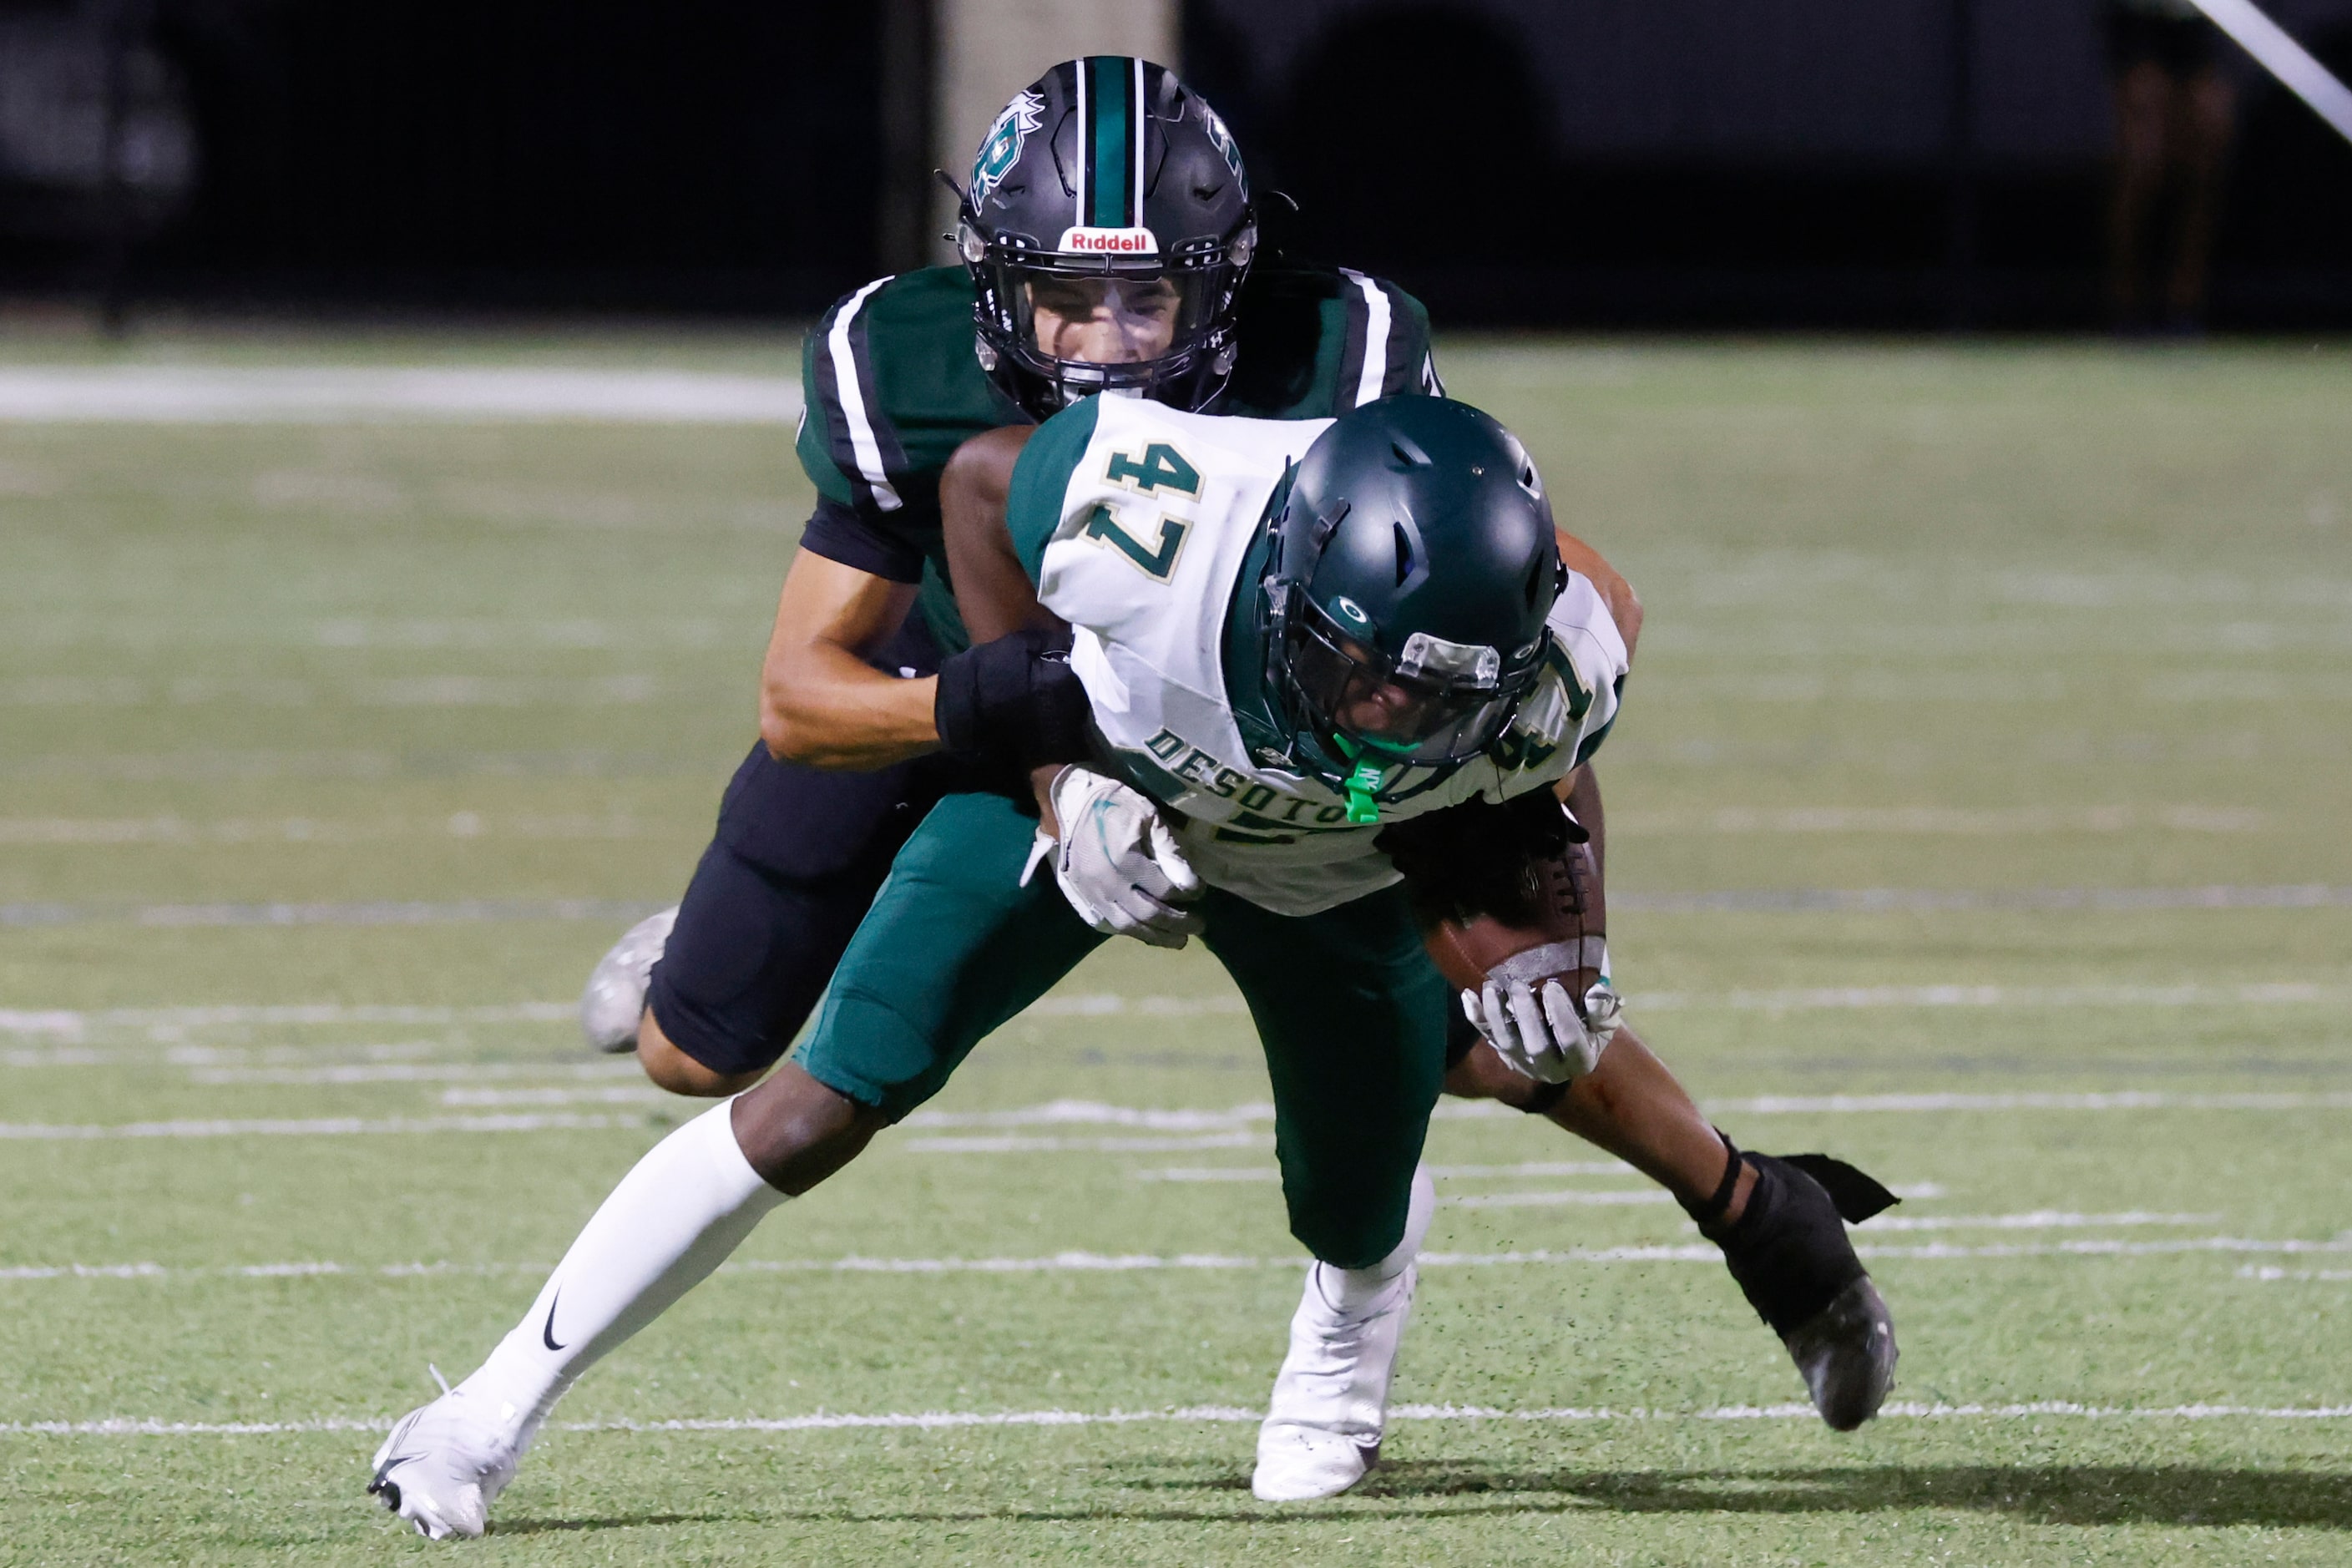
<point x="1350" y="1012"/>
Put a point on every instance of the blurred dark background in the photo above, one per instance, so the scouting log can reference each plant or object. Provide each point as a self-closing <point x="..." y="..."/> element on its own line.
<point x="1865" y="163"/>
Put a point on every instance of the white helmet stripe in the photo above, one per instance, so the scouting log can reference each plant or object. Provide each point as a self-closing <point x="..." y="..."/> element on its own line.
<point x="1086" y="135"/>
<point x="1138" y="119"/>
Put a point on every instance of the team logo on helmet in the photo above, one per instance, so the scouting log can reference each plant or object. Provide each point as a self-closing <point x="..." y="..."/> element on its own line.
<point x="1223" y="141"/>
<point x="1002" y="150"/>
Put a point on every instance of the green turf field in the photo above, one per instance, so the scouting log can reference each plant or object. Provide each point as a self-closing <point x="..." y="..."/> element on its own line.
<point x="1980" y="813"/>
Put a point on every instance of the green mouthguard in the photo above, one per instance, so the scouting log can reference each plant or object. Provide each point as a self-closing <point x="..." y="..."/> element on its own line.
<point x="1362" y="784"/>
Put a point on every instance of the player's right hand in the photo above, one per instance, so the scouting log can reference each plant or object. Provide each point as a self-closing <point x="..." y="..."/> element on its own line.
<point x="1117" y="863"/>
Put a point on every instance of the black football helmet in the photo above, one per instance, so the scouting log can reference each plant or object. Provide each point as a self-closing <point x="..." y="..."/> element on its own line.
<point x="1107" y="228"/>
<point x="1403" y="611"/>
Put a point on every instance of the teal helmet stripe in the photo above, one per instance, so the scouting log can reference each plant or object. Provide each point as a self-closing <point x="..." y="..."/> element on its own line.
<point x="1110" y="125"/>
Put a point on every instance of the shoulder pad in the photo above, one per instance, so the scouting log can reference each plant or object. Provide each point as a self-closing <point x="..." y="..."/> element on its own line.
<point x="892" y="389"/>
<point x="1318" y="340"/>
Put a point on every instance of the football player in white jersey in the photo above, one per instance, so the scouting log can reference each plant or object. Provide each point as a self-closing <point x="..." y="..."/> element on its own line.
<point x="1297" y="637"/>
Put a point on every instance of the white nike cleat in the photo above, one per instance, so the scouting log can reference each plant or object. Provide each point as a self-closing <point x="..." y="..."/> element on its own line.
<point x="615" y="997"/>
<point x="1322" y="1429"/>
<point x="446" y="1463"/>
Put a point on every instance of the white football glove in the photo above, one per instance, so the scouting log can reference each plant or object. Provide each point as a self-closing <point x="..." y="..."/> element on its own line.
<point x="1532" y="1024"/>
<point x="1118" y="861"/>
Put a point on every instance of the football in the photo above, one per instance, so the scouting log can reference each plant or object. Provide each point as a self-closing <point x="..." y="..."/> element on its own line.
<point x="1559" y="908"/>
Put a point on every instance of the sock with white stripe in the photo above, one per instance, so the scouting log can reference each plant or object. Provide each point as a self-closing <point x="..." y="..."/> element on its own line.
<point x="672" y="1219"/>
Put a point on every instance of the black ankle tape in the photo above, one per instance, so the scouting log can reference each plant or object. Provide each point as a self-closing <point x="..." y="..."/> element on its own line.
<point x="1788" y="1249"/>
<point x="1712" y="1210"/>
<point x="1546" y="1096"/>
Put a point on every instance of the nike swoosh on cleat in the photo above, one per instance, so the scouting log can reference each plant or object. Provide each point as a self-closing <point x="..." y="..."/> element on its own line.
<point x="547" y="1332"/>
<point x="384" y="1487"/>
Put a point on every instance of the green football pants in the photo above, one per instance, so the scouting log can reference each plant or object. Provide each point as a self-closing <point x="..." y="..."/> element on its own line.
<point x="1350" y="1011"/>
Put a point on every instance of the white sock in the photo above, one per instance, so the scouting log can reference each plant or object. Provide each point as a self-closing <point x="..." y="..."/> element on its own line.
<point x="672" y="1219"/>
<point x="1351" y="1291"/>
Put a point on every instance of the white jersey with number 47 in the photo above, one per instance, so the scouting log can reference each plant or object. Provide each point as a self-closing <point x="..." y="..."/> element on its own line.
<point x="1140" y="526"/>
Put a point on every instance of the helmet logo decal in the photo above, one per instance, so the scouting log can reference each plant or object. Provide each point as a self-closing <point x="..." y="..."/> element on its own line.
<point x="1347" y="610"/>
<point x="1223" y="141"/>
<point x="1002" y="150"/>
<point x="1110" y="241"/>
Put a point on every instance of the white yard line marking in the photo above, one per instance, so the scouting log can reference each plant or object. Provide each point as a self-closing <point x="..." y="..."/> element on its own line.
<point x="67" y="1021"/>
<point x="115" y="832"/>
<point x="316" y="1127"/>
<point x="2104" y="1248"/>
<point x="616" y="1094"/>
<point x="1554" y="1200"/>
<point x="442" y="1072"/>
<point x="404" y="691"/>
<point x="1084" y="1262"/>
<point x="1941" y="820"/>
<point x="1212" y="1173"/>
<point x="2038" y="1219"/>
<point x="2271" y="1272"/>
<point x="215" y="395"/>
<point x="2121" y="1099"/>
<point x="1442" y="1172"/>
<point x="1020" y="1145"/>
<point x="1104" y="1003"/>
<point x="1534" y="1168"/>
<point x="1846" y="998"/>
<point x="71" y="1022"/>
<point x="600" y="911"/>
<point x="1240" y="1137"/>
<point x="1872" y="900"/>
<point x="1796" y="900"/>
<point x="133" y="1426"/>
<point x="58" y="1057"/>
<point x="1094" y="1113"/>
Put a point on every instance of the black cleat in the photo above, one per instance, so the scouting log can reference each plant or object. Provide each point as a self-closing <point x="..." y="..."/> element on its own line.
<point x="1846" y="1354"/>
<point x="1790" y="1255"/>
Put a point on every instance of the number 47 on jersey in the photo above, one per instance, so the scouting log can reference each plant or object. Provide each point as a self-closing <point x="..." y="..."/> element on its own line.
<point x="1161" y="467"/>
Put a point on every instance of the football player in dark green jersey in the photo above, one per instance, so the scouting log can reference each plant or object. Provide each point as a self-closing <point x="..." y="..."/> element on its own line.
<point x="1110" y="243"/>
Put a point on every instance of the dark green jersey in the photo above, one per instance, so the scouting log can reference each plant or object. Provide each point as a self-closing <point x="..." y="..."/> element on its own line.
<point x="893" y="389"/>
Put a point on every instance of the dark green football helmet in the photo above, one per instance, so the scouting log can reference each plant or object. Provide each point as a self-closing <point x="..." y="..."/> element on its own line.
<point x="1402" y="610"/>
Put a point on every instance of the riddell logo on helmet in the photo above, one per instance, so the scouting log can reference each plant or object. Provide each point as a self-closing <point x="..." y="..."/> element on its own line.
<point x="1111" y="241"/>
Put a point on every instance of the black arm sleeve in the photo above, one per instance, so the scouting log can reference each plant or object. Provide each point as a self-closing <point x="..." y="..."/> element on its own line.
<point x="840" y="532"/>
